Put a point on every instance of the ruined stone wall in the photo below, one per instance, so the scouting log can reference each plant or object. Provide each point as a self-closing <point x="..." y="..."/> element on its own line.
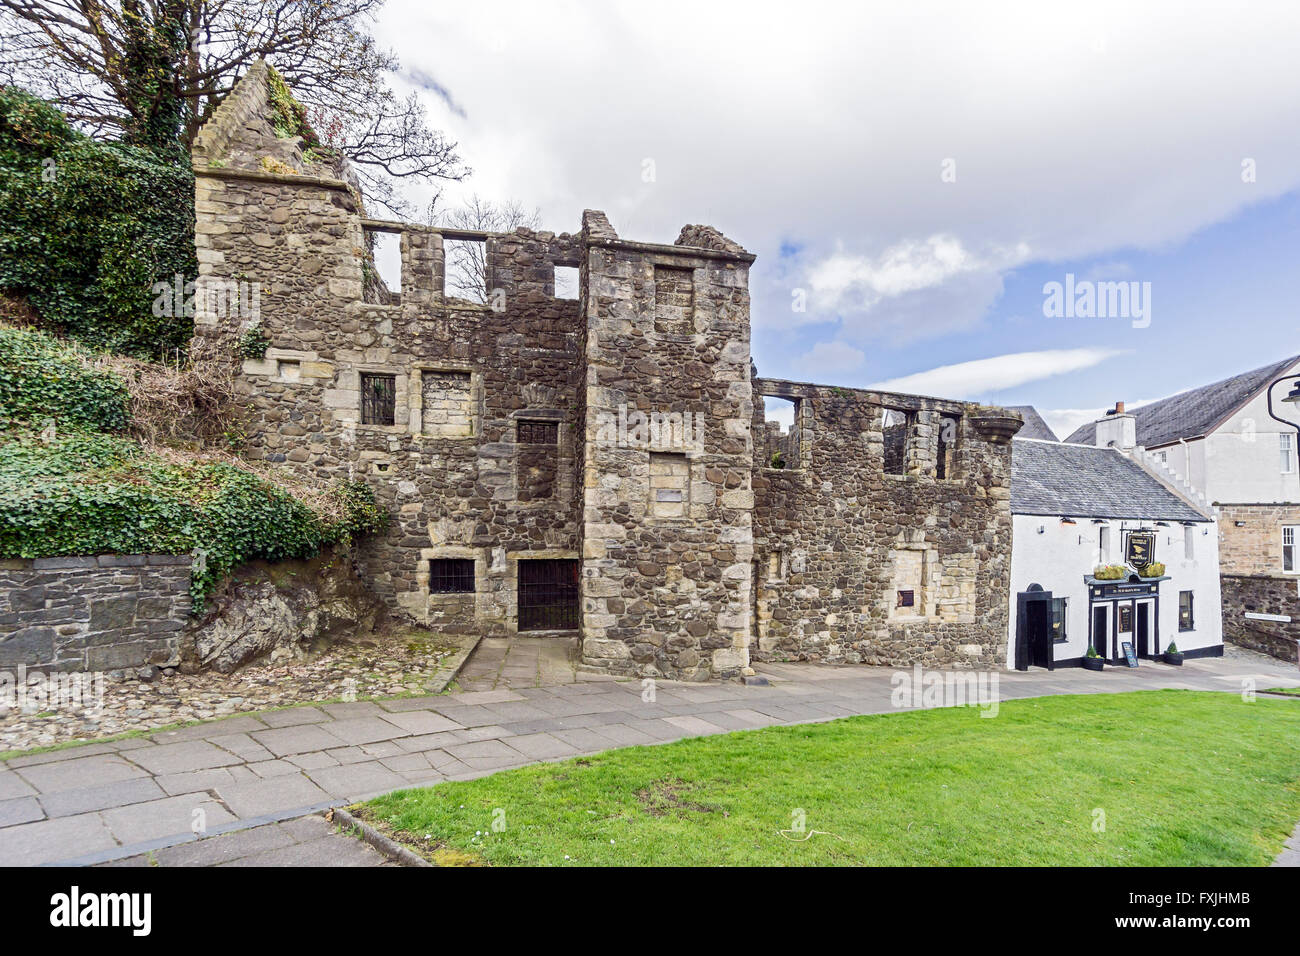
<point x="1274" y="595"/>
<point x="454" y="477"/>
<point x="836" y="539"/>
<point x="667" y="514"/>
<point x="100" y="613"/>
<point x="1250" y="537"/>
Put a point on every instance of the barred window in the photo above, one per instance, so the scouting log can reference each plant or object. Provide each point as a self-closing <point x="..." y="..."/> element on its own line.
<point x="451" y="576"/>
<point x="537" y="433"/>
<point x="378" y="399"/>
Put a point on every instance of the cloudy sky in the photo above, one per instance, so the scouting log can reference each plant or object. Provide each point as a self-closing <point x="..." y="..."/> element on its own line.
<point x="912" y="176"/>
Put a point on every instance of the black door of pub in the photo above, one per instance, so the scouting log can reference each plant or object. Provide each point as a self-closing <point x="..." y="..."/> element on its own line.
<point x="1033" y="629"/>
<point x="1144" y="630"/>
<point x="1100" y="639"/>
<point x="548" y="595"/>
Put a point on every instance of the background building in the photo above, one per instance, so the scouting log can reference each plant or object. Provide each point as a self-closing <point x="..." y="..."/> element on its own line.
<point x="1219" y="446"/>
<point x="1074" y="507"/>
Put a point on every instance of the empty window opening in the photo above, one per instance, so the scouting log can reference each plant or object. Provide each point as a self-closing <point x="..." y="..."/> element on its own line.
<point x="896" y="427"/>
<point x="943" y="463"/>
<point x="378" y="399"/>
<point x="674" y="300"/>
<point x="537" y="433"/>
<point x="289" y="371"/>
<point x="467" y="271"/>
<point x="548" y="595"/>
<point x="781" y="432"/>
<point x="670" y="485"/>
<point x="566" y="282"/>
<point x="451" y="576"/>
<point x="381" y="268"/>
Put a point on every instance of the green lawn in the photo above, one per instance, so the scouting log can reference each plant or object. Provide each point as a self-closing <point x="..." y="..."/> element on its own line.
<point x="1184" y="778"/>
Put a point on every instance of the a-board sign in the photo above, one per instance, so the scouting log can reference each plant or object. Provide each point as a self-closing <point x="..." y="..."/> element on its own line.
<point x="1129" y="656"/>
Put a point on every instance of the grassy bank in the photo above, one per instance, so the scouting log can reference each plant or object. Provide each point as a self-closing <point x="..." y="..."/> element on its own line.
<point x="1160" y="778"/>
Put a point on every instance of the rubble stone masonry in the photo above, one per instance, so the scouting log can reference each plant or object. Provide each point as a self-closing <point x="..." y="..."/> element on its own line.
<point x="618" y="432"/>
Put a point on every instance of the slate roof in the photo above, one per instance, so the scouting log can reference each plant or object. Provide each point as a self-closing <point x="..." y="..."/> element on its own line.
<point x="1193" y="413"/>
<point x="1035" y="427"/>
<point x="1083" y="481"/>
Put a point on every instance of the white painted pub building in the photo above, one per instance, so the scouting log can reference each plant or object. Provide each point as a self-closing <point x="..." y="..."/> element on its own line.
<point x="1080" y="507"/>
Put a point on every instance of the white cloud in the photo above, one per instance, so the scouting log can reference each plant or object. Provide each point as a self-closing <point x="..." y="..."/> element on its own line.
<point x="1075" y="130"/>
<point x="1064" y="421"/>
<point x="826" y="359"/>
<point x="858" y="282"/>
<point x="974" y="380"/>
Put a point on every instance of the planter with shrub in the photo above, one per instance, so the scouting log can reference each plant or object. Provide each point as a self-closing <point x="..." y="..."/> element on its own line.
<point x="1092" y="660"/>
<point x="1172" y="655"/>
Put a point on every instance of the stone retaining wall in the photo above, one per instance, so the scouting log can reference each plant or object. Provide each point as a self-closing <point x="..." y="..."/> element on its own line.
<point x="93" y="613"/>
<point x="1262" y="594"/>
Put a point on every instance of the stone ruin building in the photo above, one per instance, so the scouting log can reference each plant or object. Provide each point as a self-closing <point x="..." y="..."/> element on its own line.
<point x="597" y="465"/>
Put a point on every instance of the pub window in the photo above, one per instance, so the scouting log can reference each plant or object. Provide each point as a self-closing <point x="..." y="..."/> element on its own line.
<point x="1289" y="557"/>
<point x="906" y="599"/>
<point x="537" y="433"/>
<point x="1185" y="618"/>
<point x="1103" y="544"/>
<point x="1059" y="606"/>
<point x="378" y="399"/>
<point x="895" y="427"/>
<point x="451" y="576"/>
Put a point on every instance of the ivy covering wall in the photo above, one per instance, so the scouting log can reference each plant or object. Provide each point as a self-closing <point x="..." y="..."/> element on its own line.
<point x="78" y="489"/>
<point x="87" y="228"/>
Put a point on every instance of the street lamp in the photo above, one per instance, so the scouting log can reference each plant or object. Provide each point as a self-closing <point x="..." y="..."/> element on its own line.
<point x="1292" y="399"/>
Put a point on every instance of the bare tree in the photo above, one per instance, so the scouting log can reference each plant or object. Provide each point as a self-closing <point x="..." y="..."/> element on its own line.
<point x="467" y="259"/>
<point x="152" y="71"/>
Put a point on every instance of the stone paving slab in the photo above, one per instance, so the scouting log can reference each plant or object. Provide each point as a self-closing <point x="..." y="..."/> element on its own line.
<point x="306" y="841"/>
<point x="120" y="798"/>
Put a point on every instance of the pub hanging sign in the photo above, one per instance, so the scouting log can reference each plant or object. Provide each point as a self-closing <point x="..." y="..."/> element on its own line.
<point x="1140" y="549"/>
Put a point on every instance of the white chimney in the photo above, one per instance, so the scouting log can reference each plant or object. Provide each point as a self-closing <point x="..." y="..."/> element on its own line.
<point x="1118" y="429"/>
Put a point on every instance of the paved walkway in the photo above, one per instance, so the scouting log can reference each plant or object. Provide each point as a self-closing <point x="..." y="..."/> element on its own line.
<point x="306" y="841"/>
<point x="515" y="662"/>
<point x="108" y="801"/>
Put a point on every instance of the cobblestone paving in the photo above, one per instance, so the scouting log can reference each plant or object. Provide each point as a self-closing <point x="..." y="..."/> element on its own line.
<point x="402" y="663"/>
<point x="110" y="800"/>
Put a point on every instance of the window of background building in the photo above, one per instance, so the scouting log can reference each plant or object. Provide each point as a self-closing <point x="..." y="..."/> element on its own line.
<point x="1059" y="606"/>
<point x="1289" y="558"/>
<point x="1286" y="447"/>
